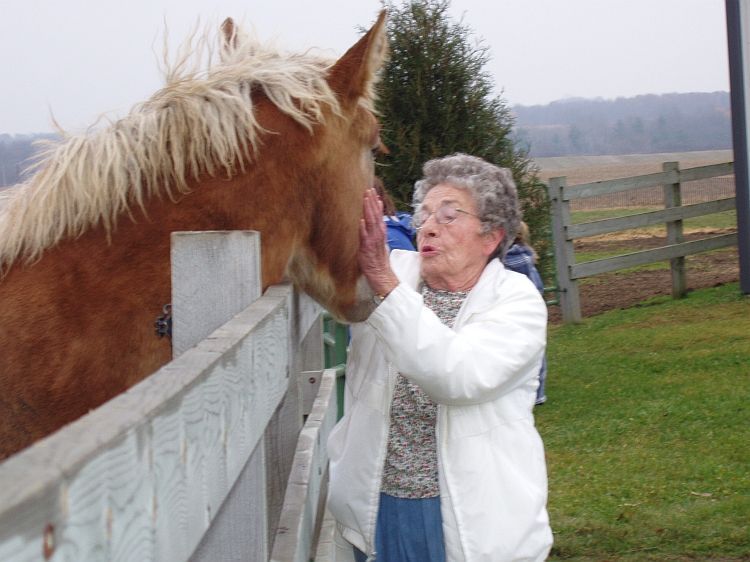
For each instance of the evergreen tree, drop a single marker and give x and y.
(436, 99)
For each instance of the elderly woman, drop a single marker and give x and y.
(436, 457)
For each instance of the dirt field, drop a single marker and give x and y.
(583, 169)
(622, 290)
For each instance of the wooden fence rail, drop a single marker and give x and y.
(302, 514)
(671, 179)
(193, 462)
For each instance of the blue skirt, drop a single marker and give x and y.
(407, 530)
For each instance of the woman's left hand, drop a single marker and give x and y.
(373, 252)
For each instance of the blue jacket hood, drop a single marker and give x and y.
(400, 231)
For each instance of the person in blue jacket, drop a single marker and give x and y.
(399, 230)
(522, 258)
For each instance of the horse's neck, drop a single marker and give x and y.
(138, 252)
(77, 326)
(275, 208)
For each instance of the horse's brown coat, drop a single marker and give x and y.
(77, 325)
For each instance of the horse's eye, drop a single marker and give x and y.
(380, 148)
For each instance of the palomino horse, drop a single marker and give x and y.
(259, 140)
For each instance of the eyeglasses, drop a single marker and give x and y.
(445, 214)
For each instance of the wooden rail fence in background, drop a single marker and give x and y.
(205, 460)
(564, 232)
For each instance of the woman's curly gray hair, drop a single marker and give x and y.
(492, 188)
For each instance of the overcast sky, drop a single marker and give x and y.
(77, 59)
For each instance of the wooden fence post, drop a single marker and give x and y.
(222, 268)
(306, 353)
(304, 501)
(673, 198)
(570, 301)
(216, 274)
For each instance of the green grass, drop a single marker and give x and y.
(647, 431)
(600, 214)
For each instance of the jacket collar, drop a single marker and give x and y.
(406, 267)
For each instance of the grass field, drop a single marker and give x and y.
(647, 430)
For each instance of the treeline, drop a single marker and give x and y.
(637, 125)
(642, 124)
(16, 152)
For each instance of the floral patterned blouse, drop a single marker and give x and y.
(411, 468)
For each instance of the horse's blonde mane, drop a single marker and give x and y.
(201, 122)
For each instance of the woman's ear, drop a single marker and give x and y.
(491, 240)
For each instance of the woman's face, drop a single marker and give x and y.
(453, 255)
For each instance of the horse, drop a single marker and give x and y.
(257, 140)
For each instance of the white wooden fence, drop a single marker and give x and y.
(206, 459)
(564, 232)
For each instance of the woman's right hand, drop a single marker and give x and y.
(373, 251)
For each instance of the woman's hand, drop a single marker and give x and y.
(373, 252)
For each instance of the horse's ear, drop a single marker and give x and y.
(229, 35)
(354, 74)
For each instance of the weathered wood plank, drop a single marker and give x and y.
(239, 533)
(595, 267)
(202, 299)
(606, 187)
(281, 440)
(312, 361)
(706, 172)
(640, 220)
(309, 383)
(284, 429)
(304, 311)
(297, 524)
(326, 549)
